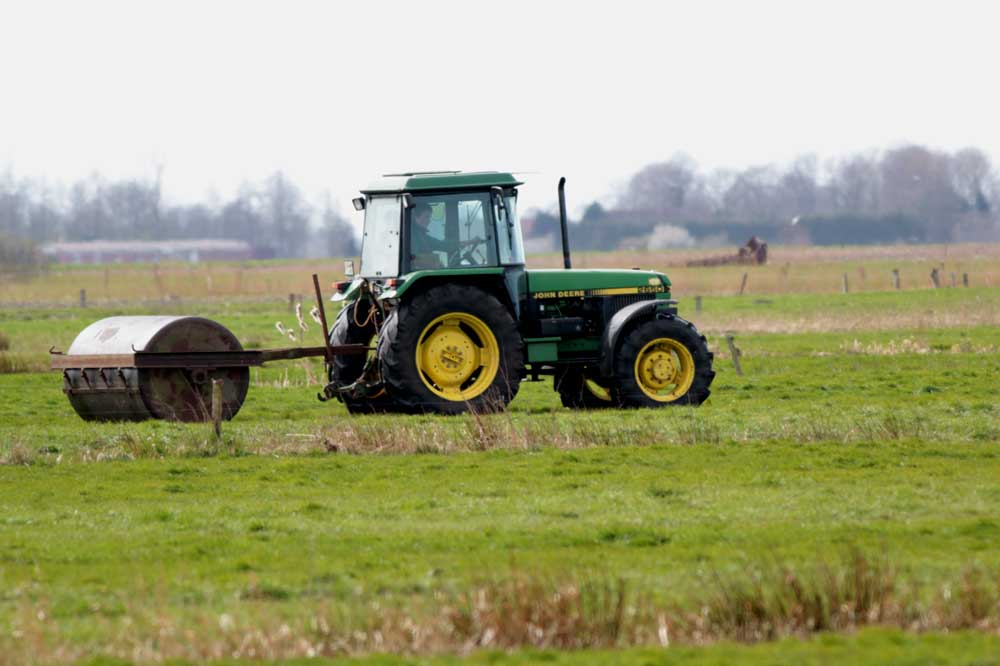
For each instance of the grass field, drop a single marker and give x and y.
(837, 503)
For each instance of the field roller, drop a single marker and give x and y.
(162, 367)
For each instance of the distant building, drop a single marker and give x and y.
(120, 252)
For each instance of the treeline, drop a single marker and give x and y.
(908, 194)
(272, 216)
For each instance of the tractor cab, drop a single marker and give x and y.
(439, 220)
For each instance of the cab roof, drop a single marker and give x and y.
(440, 180)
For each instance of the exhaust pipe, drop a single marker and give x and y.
(562, 222)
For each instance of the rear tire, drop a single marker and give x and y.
(450, 349)
(663, 362)
(346, 369)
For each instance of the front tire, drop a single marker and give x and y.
(451, 349)
(661, 363)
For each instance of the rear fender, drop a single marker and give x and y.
(490, 280)
(407, 282)
(624, 320)
(350, 293)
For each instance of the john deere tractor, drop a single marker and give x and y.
(456, 321)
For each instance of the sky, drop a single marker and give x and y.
(336, 93)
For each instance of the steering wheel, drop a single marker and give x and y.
(466, 252)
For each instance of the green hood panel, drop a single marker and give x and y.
(547, 281)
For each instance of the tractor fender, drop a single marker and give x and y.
(350, 293)
(438, 275)
(623, 320)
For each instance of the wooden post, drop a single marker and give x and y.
(895, 278)
(965, 279)
(735, 352)
(936, 278)
(217, 407)
(159, 281)
(846, 288)
(954, 281)
(83, 298)
(291, 302)
(743, 284)
(697, 303)
(322, 319)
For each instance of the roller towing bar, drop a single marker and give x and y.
(191, 360)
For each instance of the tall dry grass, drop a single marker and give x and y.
(468, 433)
(760, 603)
(790, 269)
(962, 314)
(779, 255)
(806, 269)
(171, 282)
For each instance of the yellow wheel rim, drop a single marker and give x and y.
(458, 356)
(664, 369)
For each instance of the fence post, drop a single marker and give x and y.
(217, 407)
(697, 303)
(954, 281)
(936, 278)
(291, 302)
(743, 284)
(735, 352)
(846, 289)
(83, 298)
(895, 278)
(965, 279)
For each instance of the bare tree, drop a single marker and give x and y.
(971, 172)
(661, 188)
(340, 240)
(854, 186)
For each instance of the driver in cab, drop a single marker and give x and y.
(424, 246)
(428, 251)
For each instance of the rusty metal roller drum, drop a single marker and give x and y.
(130, 393)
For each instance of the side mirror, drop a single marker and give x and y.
(349, 266)
(359, 203)
(407, 200)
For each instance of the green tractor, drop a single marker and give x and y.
(456, 321)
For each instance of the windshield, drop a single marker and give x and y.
(509, 232)
(380, 242)
(450, 231)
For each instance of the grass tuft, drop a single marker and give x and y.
(16, 452)
(523, 611)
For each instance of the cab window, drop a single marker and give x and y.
(450, 231)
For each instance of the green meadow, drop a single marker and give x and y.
(858, 454)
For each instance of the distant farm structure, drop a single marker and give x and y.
(754, 252)
(120, 252)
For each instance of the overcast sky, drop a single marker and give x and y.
(335, 93)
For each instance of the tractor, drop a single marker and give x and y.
(455, 322)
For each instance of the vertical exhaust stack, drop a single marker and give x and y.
(562, 223)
